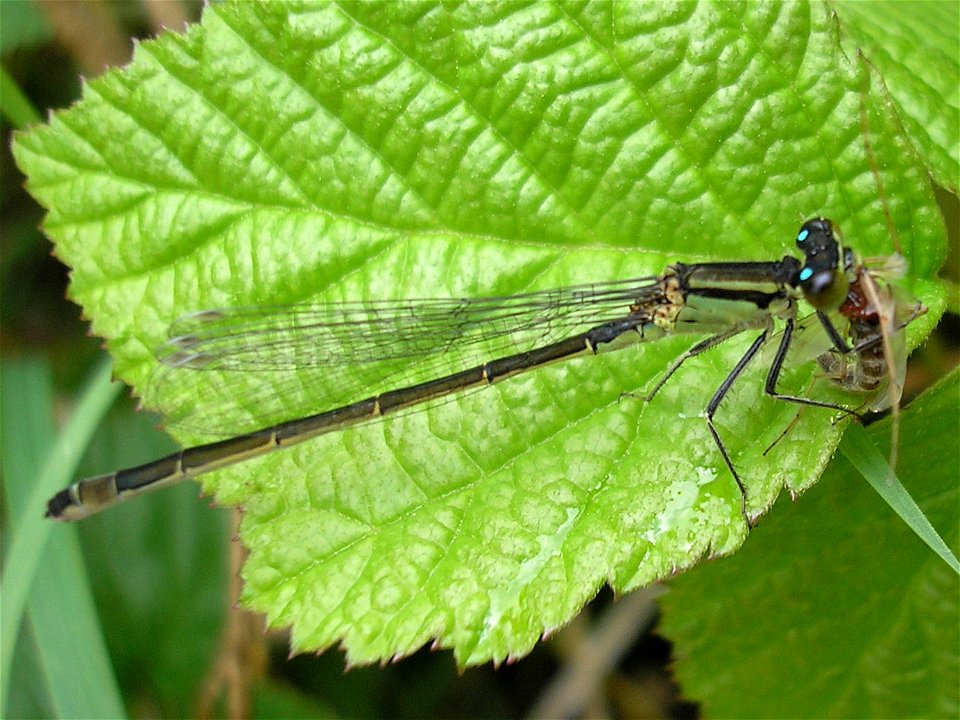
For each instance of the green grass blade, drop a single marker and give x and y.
(15, 106)
(863, 454)
(55, 591)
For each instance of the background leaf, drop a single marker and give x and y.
(288, 152)
(917, 50)
(867, 614)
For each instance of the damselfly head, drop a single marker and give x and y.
(822, 280)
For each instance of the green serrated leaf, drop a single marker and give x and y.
(916, 48)
(864, 616)
(329, 151)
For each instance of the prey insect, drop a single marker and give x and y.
(877, 313)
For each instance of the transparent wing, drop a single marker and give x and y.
(810, 341)
(298, 336)
(896, 311)
(232, 370)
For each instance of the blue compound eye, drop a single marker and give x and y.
(806, 273)
(804, 234)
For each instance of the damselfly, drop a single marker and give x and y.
(719, 300)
